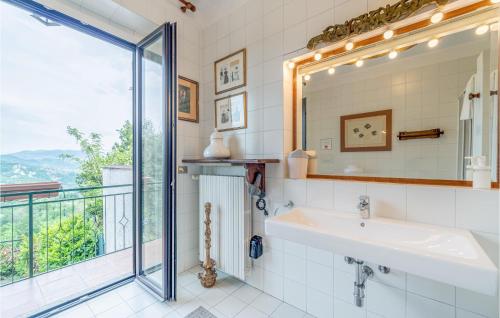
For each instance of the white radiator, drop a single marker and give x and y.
(230, 222)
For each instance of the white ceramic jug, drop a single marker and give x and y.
(216, 149)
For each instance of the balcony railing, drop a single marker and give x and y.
(41, 233)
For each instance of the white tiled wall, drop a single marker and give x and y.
(320, 282)
(188, 44)
(315, 280)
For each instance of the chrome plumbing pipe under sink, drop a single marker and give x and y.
(363, 272)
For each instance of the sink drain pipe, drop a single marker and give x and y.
(363, 272)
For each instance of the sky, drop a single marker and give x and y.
(54, 77)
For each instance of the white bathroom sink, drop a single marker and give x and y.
(443, 254)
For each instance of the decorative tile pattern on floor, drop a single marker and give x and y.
(229, 298)
(200, 312)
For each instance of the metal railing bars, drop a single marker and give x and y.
(7, 194)
(51, 233)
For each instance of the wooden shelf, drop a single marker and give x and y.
(253, 167)
(231, 161)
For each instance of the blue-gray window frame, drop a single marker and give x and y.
(71, 22)
(169, 233)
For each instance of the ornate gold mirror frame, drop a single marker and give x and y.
(366, 23)
(372, 20)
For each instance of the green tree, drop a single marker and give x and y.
(90, 171)
(96, 158)
(152, 175)
(69, 241)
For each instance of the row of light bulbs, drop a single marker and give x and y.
(388, 34)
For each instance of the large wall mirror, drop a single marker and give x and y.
(413, 107)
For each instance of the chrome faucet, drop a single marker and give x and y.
(364, 206)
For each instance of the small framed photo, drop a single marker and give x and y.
(231, 112)
(366, 131)
(188, 100)
(230, 72)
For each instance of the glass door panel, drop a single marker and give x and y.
(152, 161)
(156, 157)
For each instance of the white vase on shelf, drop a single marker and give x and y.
(216, 148)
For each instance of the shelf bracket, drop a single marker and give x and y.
(252, 171)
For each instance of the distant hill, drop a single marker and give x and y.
(38, 166)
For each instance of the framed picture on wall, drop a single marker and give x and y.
(231, 112)
(366, 131)
(188, 100)
(230, 72)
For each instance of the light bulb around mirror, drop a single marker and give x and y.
(291, 65)
(349, 46)
(360, 63)
(433, 43)
(437, 17)
(388, 34)
(393, 54)
(307, 77)
(482, 29)
(317, 56)
(331, 70)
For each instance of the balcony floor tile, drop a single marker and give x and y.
(45, 290)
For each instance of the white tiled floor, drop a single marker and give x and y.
(229, 298)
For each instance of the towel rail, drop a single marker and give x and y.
(431, 133)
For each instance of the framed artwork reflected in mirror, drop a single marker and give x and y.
(366, 131)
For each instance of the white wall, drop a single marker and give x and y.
(305, 277)
(118, 208)
(105, 15)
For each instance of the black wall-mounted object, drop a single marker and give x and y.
(256, 248)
